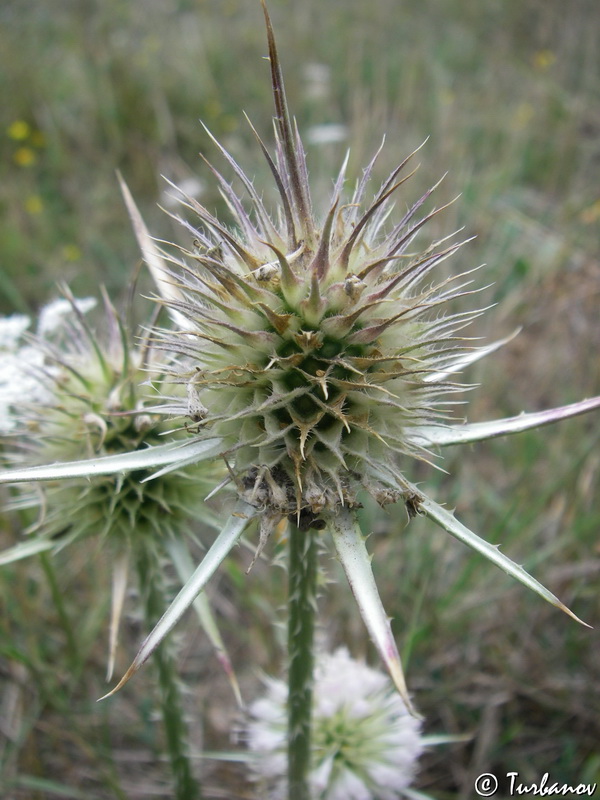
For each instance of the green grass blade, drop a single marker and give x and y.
(48, 787)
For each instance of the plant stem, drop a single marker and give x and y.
(301, 624)
(151, 589)
(57, 597)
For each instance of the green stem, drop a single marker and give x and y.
(301, 624)
(186, 786)
(57, 598)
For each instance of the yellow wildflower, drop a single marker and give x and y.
(71, 252)
(34, 204)
(543, 60)
(18, 130)
(24, 157)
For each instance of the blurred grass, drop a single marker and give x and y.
(508, 93)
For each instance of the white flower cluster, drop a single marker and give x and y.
(53, 316)
(365, 742)
(21, 362)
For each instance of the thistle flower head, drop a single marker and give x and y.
(365, 741)
(87, 390)
(316, 359)
(315, 351)
(89, 398)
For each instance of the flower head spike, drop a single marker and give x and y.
(365, 741)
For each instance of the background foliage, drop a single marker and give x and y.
(507, 91)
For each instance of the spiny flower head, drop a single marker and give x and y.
(87, 391)
(93, 388)
(365, 741)
(314, 353)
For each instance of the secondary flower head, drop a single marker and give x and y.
(21, 360)
(88, 399)
(76, 391)
(365, 741)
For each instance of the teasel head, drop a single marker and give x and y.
(95, 385)
(313, 351)
(89, 387)
(318, 357)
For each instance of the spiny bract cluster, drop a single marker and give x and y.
(315, 353)
(88, 397)
(313, 360)
(94, 390)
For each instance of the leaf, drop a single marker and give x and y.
(353, 555)
(184, 565)
(174, 452)
(479, 431)
(447, 521)
(24, 550)
(414, 794)
(120, 572)
(163, 279)
(220, 548)
(49, 787)
(435, 739)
